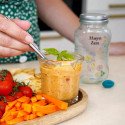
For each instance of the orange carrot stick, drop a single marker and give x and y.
(3, 123)
(24, 99)
(32, 116)
(18, 104)
(21, 113)
(39, 103)
(44, 109)
(6, 114)
(11, 104)
(57, 102)
(33, 99)
(26, 107)
(40, 114)
(26, 117)
(14, 113)
(14, 121)
(39, 97)
(9, 118)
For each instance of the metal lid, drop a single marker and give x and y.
(93, 18)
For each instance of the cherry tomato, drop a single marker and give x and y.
(18, 95)
(7, 75)
(27, 91)
(5, 87)
(2, 106)
(1, 114)
(8, 98)
(5, 82)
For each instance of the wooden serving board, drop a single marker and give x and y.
(60, 116)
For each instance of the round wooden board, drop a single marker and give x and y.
(61, 116)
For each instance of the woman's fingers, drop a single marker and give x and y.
(11, 29)
(7, 52)
(9, 42)
(25, 25)
(14, 40)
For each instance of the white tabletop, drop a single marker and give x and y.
(105, 106)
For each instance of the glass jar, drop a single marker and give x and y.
(60, 79)
(92, 40)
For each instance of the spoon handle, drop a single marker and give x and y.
(37, 51)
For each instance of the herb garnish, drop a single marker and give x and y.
(60, 55)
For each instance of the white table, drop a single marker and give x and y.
(105, 106)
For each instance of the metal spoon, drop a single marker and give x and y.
(33, 46)
(38, 51)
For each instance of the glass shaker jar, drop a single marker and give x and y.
(92, 40)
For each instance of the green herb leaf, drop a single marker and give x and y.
(52, 51)
(68, 56)
(59, 57)
(63, 52)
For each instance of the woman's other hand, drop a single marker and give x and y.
(117, 49)
(14, 39)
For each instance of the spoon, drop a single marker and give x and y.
(33, 46)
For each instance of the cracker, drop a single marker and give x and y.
(13, 70)
(38, 75)
(22, 76)
(34, 83)
(25, 70)
(28, 76)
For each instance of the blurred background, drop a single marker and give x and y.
(115, 9)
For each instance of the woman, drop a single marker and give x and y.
(14, 39)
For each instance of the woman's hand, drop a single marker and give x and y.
(117, 49)
(14, 39)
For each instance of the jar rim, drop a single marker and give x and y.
(78, 57)
(93, 18)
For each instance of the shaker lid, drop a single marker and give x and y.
(93, 18)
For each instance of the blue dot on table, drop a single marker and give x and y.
(108, 83)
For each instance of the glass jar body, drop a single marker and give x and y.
(92, 41)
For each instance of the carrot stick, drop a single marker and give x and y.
(14, 113)
(9, 118)
(18, 104)
(39, 97)
(3, 123)
(16, 120)
(24, 99)
(21, 113)
(39, 103)
(44, 109)
(57, 102)
(26, 117)
(33, 99)
(6, 114)
(11, 104)
(27, 107)
(32, 116)
(40, 114)
(8, 108)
